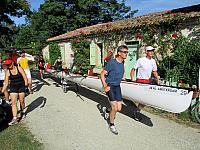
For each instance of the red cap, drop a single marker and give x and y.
(8, 62)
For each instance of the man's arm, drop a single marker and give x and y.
(103, 80)
(55, 62)
(18, 59)
(132, 74)
(155, 73)
(6, 81)
(29, 57)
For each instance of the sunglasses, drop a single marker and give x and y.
(125, 52)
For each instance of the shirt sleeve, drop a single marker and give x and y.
(29, 57)
(137, 64)
(154, 65)
(108, 66)
(18, 60)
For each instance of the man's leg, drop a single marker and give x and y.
(30, 85)
(113, 111)
(140, 106)
(136, 113)
(106, 110)
(28, 76)
(41, 73)
(112, 117)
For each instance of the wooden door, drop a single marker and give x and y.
(130, 60)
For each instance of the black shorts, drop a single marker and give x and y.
(17, 89)
(1, 83)
(41, 68)
(115, 93)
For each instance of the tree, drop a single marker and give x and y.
(24, 36)
(90, 12)
(82, 55)
(50, 20)
(184, 63)
(54, 52)
(10, 8)
(56, 17)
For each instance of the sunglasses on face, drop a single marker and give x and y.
(8, 66)
(125, 52)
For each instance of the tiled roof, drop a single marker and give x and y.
(135, 22)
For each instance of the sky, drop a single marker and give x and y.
(144, 6)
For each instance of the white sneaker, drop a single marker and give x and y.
(13, 121)
(105, 114)
(113, 130)
(9, 102)
(23, 116)
(137, 115)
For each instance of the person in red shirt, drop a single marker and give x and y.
(108, 57)
(14, 57)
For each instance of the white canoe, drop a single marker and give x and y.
(170, 99)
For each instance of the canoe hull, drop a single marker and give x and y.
(170, 99)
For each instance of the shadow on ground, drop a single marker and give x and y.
(102, 100)
(5, 116)
(37, 85)
(40, 101)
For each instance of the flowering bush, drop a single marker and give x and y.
(184, 62)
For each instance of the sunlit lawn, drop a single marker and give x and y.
(18, 137)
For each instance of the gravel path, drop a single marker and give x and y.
(67, 121)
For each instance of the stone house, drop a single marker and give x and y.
(65, 49)
(135, 32)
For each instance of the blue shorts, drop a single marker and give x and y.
(115, 93)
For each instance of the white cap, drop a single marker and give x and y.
(149, 48)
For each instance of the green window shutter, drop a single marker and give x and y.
(92, 53)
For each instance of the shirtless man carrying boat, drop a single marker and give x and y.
(145, 66)
(115, 72)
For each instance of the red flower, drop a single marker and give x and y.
(110, 52)
(174, 35)
(78, 41)
(182, 84)
(180, 81)
(138, 36)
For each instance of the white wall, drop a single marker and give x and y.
(45, 52)
(67, 52)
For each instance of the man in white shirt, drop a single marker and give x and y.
(145, 66)
(2, 78)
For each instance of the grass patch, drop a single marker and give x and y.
(183, 118)
(18, 137)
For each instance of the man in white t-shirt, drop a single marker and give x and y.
(145, 66)
(2, 78)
